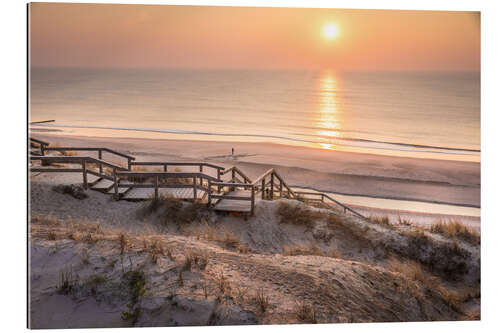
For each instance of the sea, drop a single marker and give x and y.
(424, 114)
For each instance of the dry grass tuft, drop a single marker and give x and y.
(413, 270)
(45, 220)
(192, 259)
(404, 222)
(305, 313)
(173, 210)
(222, 283)
(155, 250)
(124, 242)
(448, 259)
(297, 214)
(456, 229)
(312, 250)
(381, 220)
(230, 240)
(262, 300)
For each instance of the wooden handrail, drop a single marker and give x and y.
(76, 159)
(179, 164)
(239, 172)
(264, 175)
(231, 184)
(292, 192)
(147, 174)
(91, 149)
(40, 142)
(344, 206)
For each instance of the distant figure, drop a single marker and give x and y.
(232, 151)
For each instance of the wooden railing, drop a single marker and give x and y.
(161, 180)
(81, 160)
(268, 184)
(237, 172)
(41, 143)
(99, 151)
(222, 193)
(275, 184)
(322, 197)
(165, 165)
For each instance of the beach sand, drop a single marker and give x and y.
(401, 178)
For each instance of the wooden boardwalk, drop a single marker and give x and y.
(148, 193)
(225, 205)
(238, 194)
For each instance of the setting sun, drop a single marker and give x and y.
(330, 31)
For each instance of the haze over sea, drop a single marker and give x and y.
(417, 114)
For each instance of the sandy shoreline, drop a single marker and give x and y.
(427, 180)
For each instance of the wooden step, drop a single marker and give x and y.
(148, 193)
(103, 185)
(121, 190)
(244, 206)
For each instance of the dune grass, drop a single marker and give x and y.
(456, 229)
(297, 214)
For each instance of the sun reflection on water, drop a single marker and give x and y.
(327, 121)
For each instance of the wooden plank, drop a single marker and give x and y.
(233, 206)
(230, 197)
(104, 184)
(55, 170)
(240, 202)
(232, 184)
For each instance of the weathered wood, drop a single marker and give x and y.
(40, 142)
(272, 186)
(194, 188)
(232, 184)
(209, 193)
(263, 188)
(252, 201)
(84, 173)
(91, 149)
(115, 184)
(99, 156)
(56, 170)
(156, 188)
(230, 197)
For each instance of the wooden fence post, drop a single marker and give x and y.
(84, 171)
(128, 164)
(165, 167)
(218, 175)
(252, 202)
(272, 186)
(194, 188)
(209, 193)
(201, 168)
(156, 187)
(281, 188)
(115, 180)
(99, 155)
(263, 187)
(42, 149)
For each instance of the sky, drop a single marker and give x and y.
(166, 36)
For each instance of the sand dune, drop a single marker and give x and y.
(222, 269)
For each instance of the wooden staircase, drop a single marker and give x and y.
(237, 194)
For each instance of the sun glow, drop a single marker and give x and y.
(330, 31)
(328, 120)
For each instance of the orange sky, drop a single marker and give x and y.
(98, 35)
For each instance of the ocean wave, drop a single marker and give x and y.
(346, 142)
